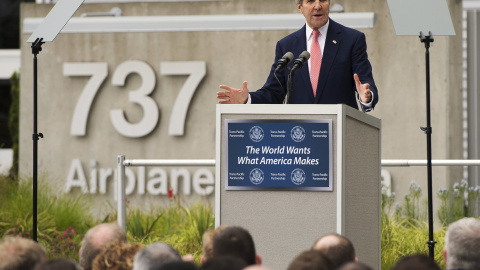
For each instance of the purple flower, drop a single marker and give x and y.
(21, 235)
(55, 232)
(14, 229)
(61, 245)
(9, 231)
(73, 231)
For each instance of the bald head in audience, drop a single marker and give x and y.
(337, 248)
(96, 239)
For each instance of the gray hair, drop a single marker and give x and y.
(155, 255)
(96, 239)
(462, 243)
(20, 253)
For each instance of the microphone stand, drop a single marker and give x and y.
(289, 87)
(428, 131)
(36, 48)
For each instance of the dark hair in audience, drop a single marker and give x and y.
(177, 265)
(224, 263)
(58, 264)
(208, 238)
(354, 266)
(416, 262)
(311, 260)
(235, 241)
(339, 253)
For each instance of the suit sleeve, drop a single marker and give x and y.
(362, 67)
(273, 91)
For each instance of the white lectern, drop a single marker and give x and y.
(285, 222)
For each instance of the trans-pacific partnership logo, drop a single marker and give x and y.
(256, 134)
(256, 176)
(298, 176)
(297, 133)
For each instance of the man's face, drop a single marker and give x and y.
(315, 12)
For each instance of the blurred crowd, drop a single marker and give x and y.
(105, 246)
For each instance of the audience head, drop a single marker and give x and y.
(416, 262)
(117, 255)
(462, 244)
(177, 265)
(354, 266)
(236, 241)
(208, 238)
(18, 253)
(96, 239)
(224, 263)
(155, 255)
(337, 248)
(311, 260)
(58, 264)
(256, 267)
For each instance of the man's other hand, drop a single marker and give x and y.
(363, 90)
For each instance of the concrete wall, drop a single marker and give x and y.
(231, 57)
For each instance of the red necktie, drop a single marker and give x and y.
(315, 61)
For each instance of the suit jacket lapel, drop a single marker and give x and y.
(332, 43)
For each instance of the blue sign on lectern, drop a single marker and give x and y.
(271, 154)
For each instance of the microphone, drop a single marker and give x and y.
(282, 63)
(300, 61)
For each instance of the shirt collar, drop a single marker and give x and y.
(323, 30)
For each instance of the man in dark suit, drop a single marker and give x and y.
(340, 71)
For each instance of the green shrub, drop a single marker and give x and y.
(61, 219)
(458, 201)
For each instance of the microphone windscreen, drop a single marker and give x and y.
(304, 54)
(288, 56)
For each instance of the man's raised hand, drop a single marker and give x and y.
(233, 95)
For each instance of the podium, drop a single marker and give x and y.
(285, 221)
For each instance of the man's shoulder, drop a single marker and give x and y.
(338, 27)
(297, 34)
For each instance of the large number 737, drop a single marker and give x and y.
(98, 72)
